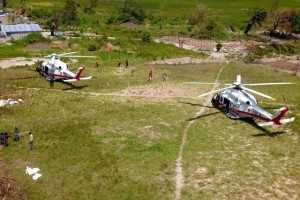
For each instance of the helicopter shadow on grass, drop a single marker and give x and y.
(195, 104)
(200, 105)
(201, 116)
(265, 132)
(22, 78)
(68, 84)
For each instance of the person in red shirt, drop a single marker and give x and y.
(6, 139)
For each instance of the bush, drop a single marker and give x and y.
(146, 37)
(30, 39)
(39, 14)
(92, 47)
(197, 16)
(112, 20)
(129, 11)
(209, 29)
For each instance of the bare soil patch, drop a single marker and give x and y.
(286, 64)
(188, 60)
(18, 61)
(130, 25)
(39, 46)
(230, 51)
(22, 61)
(164, 91)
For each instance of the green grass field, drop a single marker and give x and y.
(231, 10)
(118, 136)
(91, 146)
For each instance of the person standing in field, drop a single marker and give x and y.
(126, 63)
(119, 62)
(164, 77)
(6, 139)
(150, 76)
(97, 62)
(30, 141)
(16, 133)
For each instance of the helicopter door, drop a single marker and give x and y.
(46, 70)
(226, 105)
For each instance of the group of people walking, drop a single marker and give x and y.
(150, 75)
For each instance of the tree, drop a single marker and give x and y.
(69, 16)
(4, 3)
(131, 10)
(288, 20)
(258, 16)
(90, 5)
(282, 19)
(197, 15)
(295, 21)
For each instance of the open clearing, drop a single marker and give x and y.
(119, 137)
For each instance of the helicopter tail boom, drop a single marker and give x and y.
(78, 79)
(77, 76)
(276, 118)
(79, 71)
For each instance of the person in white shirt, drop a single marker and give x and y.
(30, 141)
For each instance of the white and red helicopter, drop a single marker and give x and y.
(237, 103)
(55, 69)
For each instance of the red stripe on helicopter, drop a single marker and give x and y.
(62, 76)
(249, 114)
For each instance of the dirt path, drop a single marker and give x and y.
(18, 61)
(150, 92)
(179, 171)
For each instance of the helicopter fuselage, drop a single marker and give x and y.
(239, 104)
(55, 69)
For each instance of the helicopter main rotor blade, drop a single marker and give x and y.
(202, 95)
(202, 83)
(258, 93)
(63, 54)
(238, 79)
(79, 56)
(259, 84)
